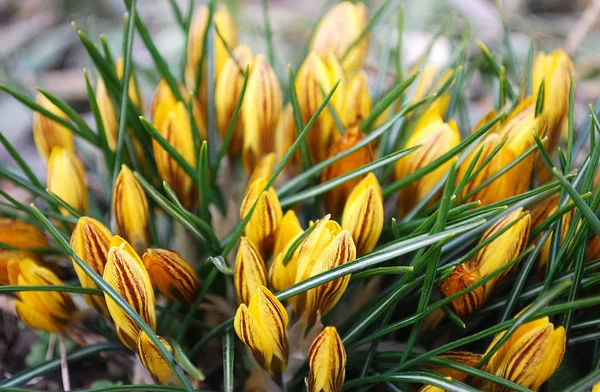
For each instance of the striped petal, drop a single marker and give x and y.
(327, 362)
(250, 272)
(172, 275)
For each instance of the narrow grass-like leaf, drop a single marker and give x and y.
(20, 162)
(228, 353)
(585, 209)
(304, 151)
(496, 67)
(268, 34)
(297, 242)
(59, 289)
(539, 101)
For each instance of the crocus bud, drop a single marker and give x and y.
(464, 358)
(593, 252)
(153, 360)
(107, 113)
(66, 179)
(90, 242)
(363, 214)
(264, 169)
(284, 138)
(493, 256)
(283, 276)
(250, 272)
(436, 138)
(429, 83)
(7, 256)
(171, 275)
(529, 357)
(125, 272)
(555, 69)
(357, 101)
(48, 311)
(227, 94)
(267, 214)
(130, 207)
(21, 235)
(171, 119)
(338, 30)
(326, 247)
(224, 22)
(164, 103)
(47, 133)
(326, 362)
(132, 89)
(261, 109)
(315, 79)
(261, 326)
(335, 198)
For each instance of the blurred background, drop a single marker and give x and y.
(38, 47)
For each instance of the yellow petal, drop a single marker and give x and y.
(130, 207)
(126, 273)
(47, 133)
(21, 235)
(357, 102)
(249, 273)
(66, 179)
(107, 113)
(172, 275)
(363, 214)
(153, 360)
(327, 362)
(36, 318)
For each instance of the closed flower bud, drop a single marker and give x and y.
(493, 256)
(436, 138)
(227, 93)
(283, 276)
(261, 326)
(47, 133)
(264, 169)
(21, 235)
(224, 22)
(171, 275)
(261, 109)
(267, 214)
(529, 357)
(363, 214)
(48, 311)
(172, 121)
(132, 89)
(90, 242)
(335, 198)
(357, 102)
(7, 256)
(130, 207)
(464, 358)
(326, 247)
(66, 179)
(125, 272)
(426, 86)
(284, 138)
(326, 362)
(555, 69)
(593, 252)
(107, 113)
(154, 361)
(338, 30)
(250, 272)
(315, 79)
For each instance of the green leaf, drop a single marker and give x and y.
(228, 357)
(539, 102)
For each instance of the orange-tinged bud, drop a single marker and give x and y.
(593, 252)
(90, 242)
(493, 256)
(154, 361)
(172, 120)
(463, 357)
(261, 326)
(66, 179)
(261, 109)
(227, 94)
(436, 139)
(555, 69)
(529, 357)
(125, 272)
(335, 198)
(326, 362)
(172, 275)
(130, 207)
(357, 102)
(315, 79)
(267, 214)
(224, 22)
(48, 311)
(21, 235)
(326, 247)
(338, 30)
(363, 214)
(250, 272)
(47, 133)
(283, 276)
